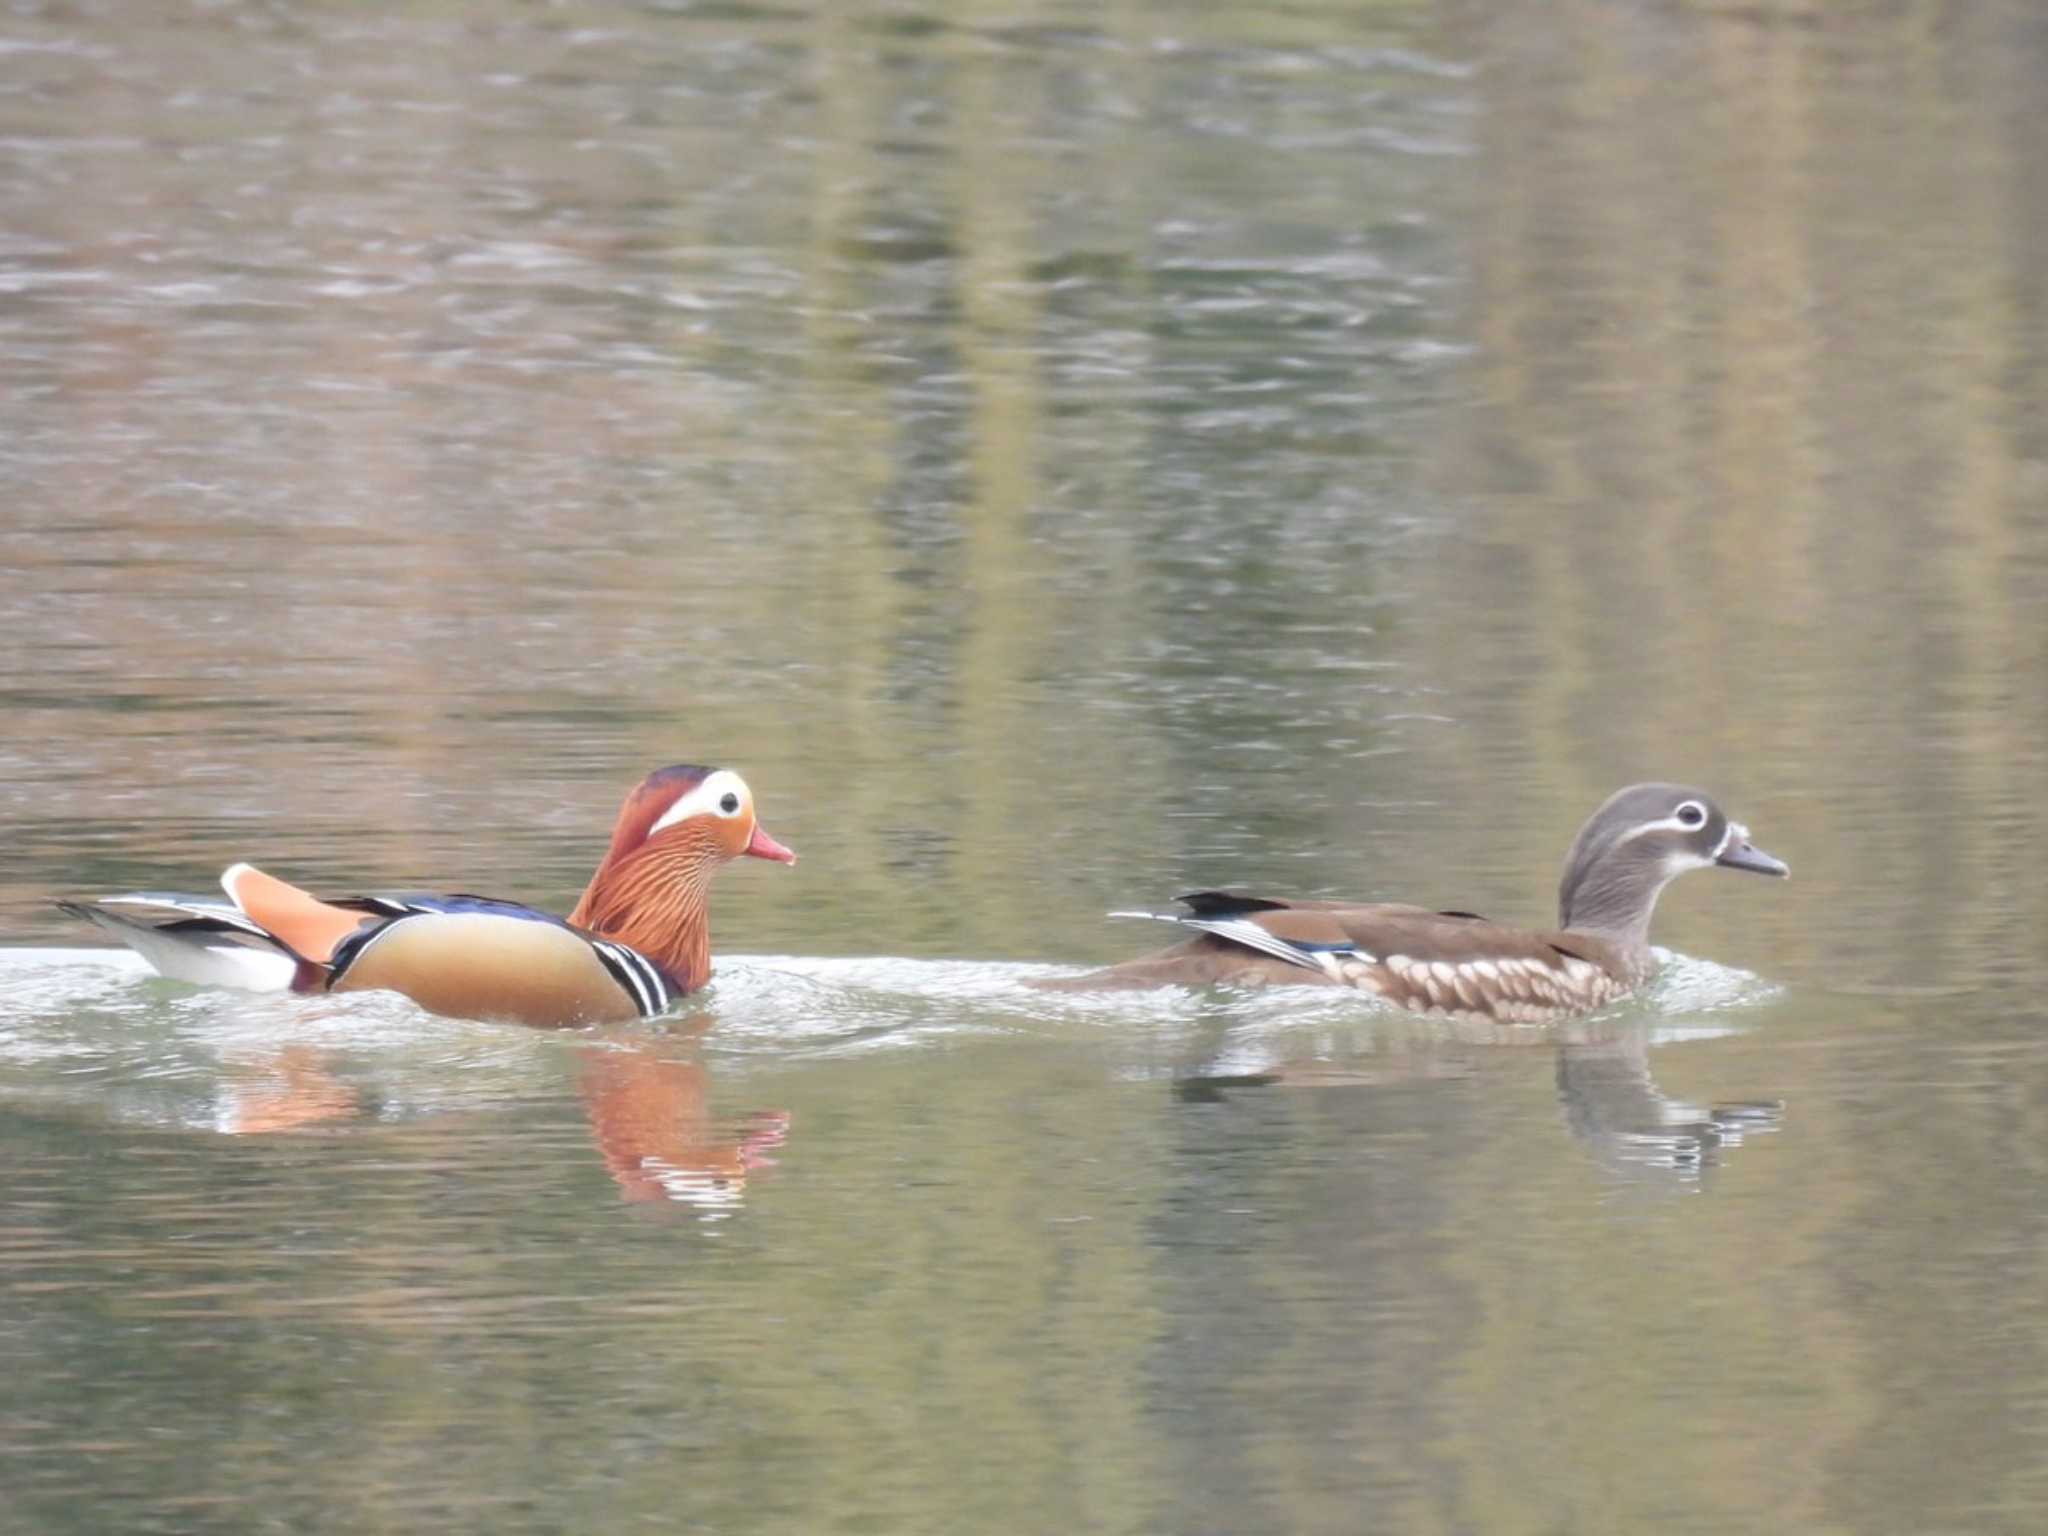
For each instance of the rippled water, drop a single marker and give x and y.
(1063, 458)
(886, 1224)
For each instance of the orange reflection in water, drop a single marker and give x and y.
(648, 1110)
(282, 1092)
(648, 1115)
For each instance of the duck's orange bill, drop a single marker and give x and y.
(765, 847)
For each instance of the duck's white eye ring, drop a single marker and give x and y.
(1691, 814)
(722, 794)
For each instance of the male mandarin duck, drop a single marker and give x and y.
(1458, 964)
(638, 940)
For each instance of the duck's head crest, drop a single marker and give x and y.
(689, 805)
(1644, 837)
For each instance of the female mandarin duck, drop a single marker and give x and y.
(1455, 963)
(638, 940)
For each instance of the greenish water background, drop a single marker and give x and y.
(1063, 456)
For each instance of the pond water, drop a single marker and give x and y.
(1063, 457)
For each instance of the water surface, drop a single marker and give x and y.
(1062, 457)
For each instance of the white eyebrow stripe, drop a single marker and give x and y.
(704, 797)
(1668, 824)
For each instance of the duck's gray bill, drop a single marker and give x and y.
(1746, 855)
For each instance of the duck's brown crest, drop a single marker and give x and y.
(648, 801)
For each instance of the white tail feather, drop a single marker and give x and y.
(206, 959)
(1239, 930)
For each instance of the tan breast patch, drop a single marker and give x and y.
(476, 965)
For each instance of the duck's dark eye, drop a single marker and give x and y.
(730, 804)
(1692, 814)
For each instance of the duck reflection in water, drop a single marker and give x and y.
(282, 1090)
(1615, 1109)
(647, 1101)
(648, 1114)
(1612, 1105)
